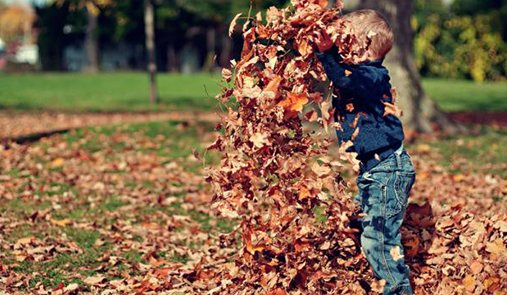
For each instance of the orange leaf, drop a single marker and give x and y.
(58, 162)
(294, 102)
(391, 109)
(355, 134)
(323, 3)
(273, 86)
(350, 107)
(469, 283)
(347, 73)
(63, 222)
(278, 291)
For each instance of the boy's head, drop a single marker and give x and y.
(369, 21)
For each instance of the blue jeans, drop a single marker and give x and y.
(383, 195)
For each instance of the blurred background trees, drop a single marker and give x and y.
(464, 39)
(453, 39)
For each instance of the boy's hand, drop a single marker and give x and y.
(323, 41)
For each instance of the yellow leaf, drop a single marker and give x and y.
(58, 162)
(469, 283)
(497, 248)
(24, 241)
(303, 193)
(63, 222)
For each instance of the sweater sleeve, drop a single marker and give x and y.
(356, 78)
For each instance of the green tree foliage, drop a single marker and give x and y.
(464, 40)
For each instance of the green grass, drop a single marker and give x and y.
(107, 92)
(172, 141)
(460, 95)
(129, 92)
(480, 150)
(175, 142)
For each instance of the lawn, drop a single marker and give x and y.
(105, 203)
(107, 92)
(459, 95)
(121, 207)
(129, 92)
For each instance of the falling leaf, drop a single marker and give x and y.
(391, 109)
(226, 74)
(273, 87)
(355, 134)
(394, 94)
(259, 139)
(350, 107)
(233, 24)
(320, 170)
(294, 102)
(347, 73)
(323, 3)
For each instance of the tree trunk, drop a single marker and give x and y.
(171, 58)
(91, 43)
(420, 113)
(149, 16)
(210, 48)
(226, 52)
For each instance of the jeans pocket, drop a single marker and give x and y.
(403, 182)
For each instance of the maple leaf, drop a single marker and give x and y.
(259, 139)
(294, 102)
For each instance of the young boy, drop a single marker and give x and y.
(386, 170)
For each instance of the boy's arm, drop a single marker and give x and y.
(348, 77)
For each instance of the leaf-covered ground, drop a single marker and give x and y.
(120, 208)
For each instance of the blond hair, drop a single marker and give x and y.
(367, 22)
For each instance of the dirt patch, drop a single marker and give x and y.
(14, 125)
(480, 118)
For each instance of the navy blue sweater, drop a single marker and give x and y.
(362, 89)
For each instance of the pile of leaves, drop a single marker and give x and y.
(280, 183)
(277, 179)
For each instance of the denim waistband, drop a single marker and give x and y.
(370, 161)
(399, 151)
